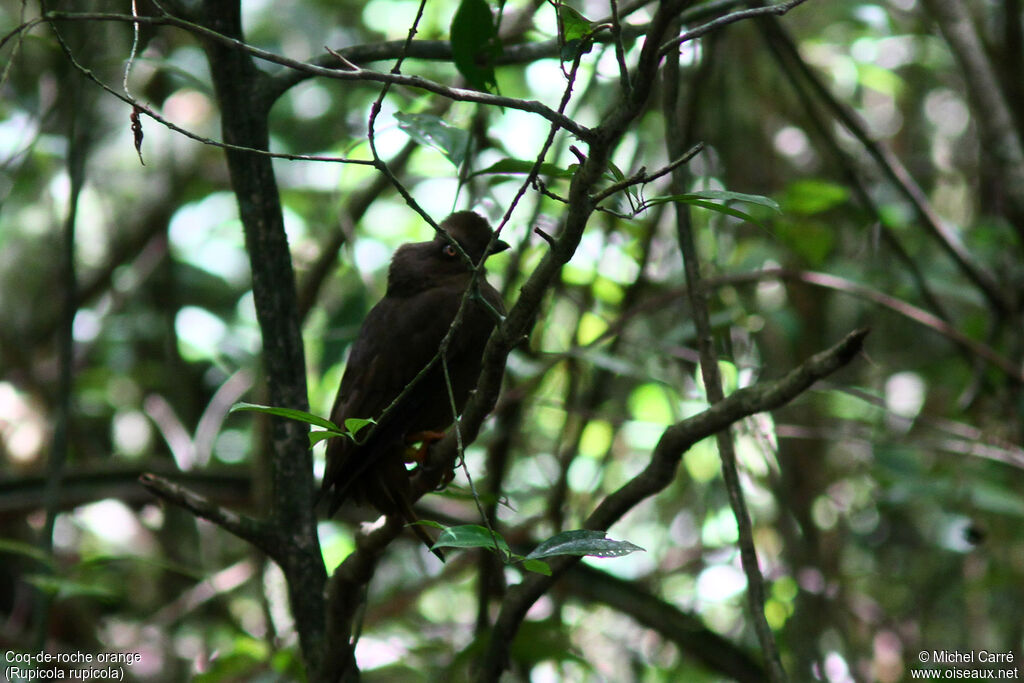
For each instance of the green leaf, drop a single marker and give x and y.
(582, 542)
(538, 566)
(519, 166)
(811, 196)
(727, 210)
(727, 196)
(572, 48)
(9, 545)
(430, 523)
(572, 25)
(61, 587)
(317, 436)
(471, 536)
(433, 131)
(695, 199)
(354, 424)
(289, 413)
(475, 43)
(574, 31)
(701, 198)
(615, 173)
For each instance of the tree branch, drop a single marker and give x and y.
(360, 74)
(660, 472)
(688, 632)
(238, 86)
(255, 531)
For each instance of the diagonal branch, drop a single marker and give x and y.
(687, 631)
(255, 531)
(660, 472)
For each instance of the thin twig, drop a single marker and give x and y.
(134, 49)
(731, 18)
(458, 94)
(620, 51)
(711, 374)
(17, 45)
(642, 177)
(139, 107)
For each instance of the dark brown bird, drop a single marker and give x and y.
(400, 336)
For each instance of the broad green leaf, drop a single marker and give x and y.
(574, 31)
(289, 413)
(571, 24)
(475, 43)
(354, 424)
(433, 131)
(582, 542)
(572, 48)
(317, 436)
(471, 536)
(538, 566)
(520, 166)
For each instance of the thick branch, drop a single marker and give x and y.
(244, 117)
(347, 593)
(87, 483)
(688, 632)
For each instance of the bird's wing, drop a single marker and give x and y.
(398, 339)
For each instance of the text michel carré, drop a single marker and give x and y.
(980, 657)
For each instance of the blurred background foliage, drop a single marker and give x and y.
(887, 503)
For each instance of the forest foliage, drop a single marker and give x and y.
(829, 167)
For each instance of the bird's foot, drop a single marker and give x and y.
(425, 439)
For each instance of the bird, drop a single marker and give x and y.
(399, 338)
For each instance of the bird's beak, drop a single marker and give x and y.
(498, 247)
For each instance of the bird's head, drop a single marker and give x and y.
(419, 265)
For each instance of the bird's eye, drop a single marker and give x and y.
(449, 250)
